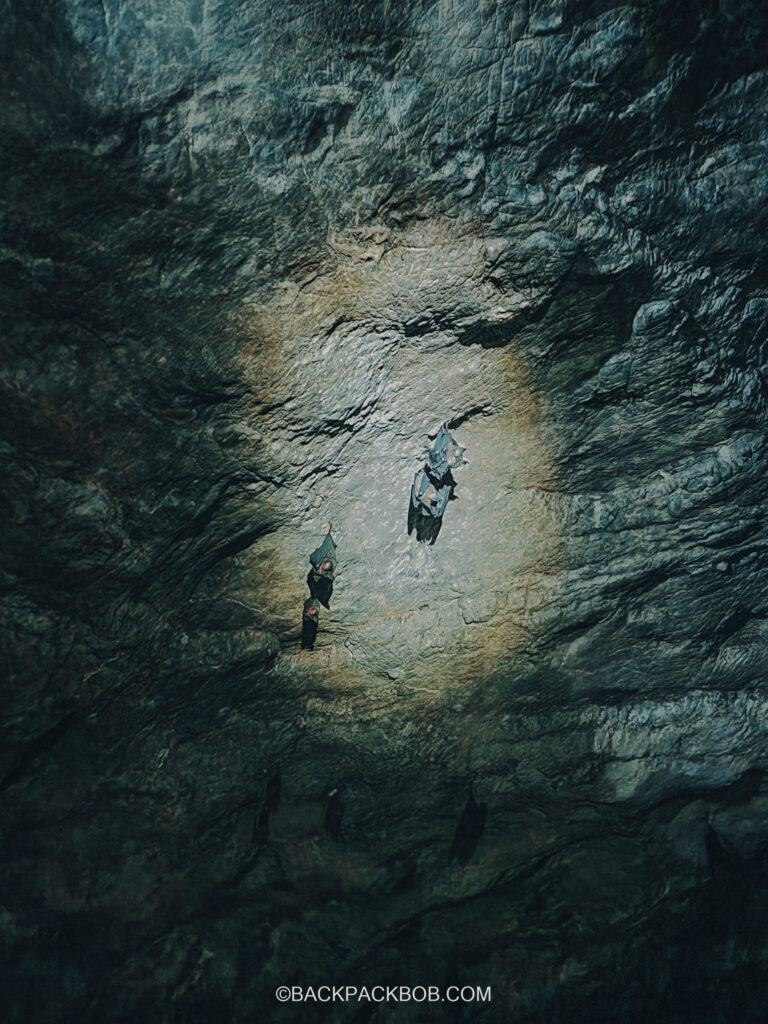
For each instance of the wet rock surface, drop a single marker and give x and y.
(252, 256)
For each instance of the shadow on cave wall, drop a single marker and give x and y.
(688, 962)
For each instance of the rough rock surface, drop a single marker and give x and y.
(252, 255)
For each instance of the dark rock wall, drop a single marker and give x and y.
(252, 254)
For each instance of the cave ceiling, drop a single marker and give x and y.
(254, 255)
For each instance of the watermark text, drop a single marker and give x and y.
(383, 994)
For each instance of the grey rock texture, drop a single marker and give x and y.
(252, 255)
